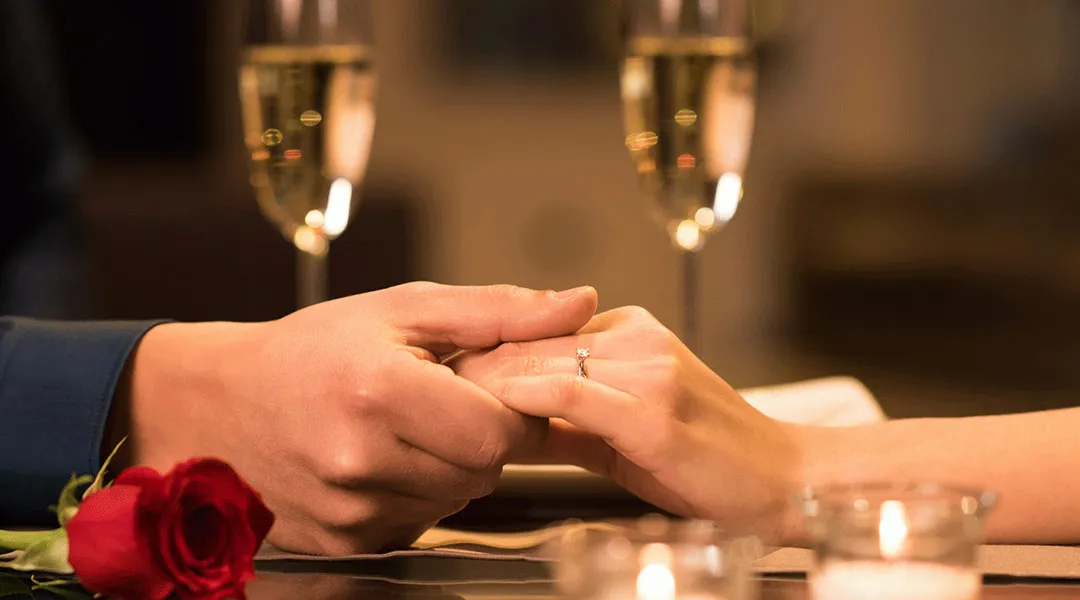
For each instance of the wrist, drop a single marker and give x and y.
(817, 449)
(177, 376)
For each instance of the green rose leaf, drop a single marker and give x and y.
(49, 555)
(69, 502)
(62, 588)
(11, 585)
(99, 481)
(21, 540)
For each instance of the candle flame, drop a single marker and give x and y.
(655, 580)
(892, 528)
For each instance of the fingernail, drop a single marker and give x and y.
(573, 293)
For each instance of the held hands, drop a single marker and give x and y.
(652, 417)
(340, 414)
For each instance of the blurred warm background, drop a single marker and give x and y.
(911, 213)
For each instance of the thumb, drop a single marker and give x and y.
(444, 318)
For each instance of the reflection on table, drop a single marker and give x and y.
(281, 585)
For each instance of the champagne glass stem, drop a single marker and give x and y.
(311, 278)
(691, 326)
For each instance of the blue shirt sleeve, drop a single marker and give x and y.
(57, 381)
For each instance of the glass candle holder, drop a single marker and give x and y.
(903, 541)
(655, 558)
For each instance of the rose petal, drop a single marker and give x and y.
(223, 572)
(202, 533)
(214, 525)
(109, 547)
(142, 477)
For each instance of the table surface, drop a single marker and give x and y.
(277, 585)
(446, 578)
(434, 579)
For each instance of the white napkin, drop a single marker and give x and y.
(831, 401)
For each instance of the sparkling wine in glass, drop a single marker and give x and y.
(307, 92)
(688, 82)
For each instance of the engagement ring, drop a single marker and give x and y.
(582, 354)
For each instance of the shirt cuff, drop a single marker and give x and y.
(57, 381)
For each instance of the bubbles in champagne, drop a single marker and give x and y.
(311, 118)
(271, 137)
(686, 117)
(641, 141)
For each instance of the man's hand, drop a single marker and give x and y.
(341, 414)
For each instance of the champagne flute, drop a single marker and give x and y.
(307, 92)
(688, 84)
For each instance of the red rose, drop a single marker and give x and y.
(192, 532)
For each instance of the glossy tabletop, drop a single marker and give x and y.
(338, 586)
(453, 579)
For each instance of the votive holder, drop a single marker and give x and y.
(655, 558)
(895, 541)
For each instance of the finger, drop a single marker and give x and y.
(443, 318)
(613, 373)
(457, 421)
(599, 336)
(553, 355)
(619, 418)
(411, 472)
(606, 320)
(566, 444)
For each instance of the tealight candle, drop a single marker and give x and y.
(895, 541)
(880, 580)
(655, 558)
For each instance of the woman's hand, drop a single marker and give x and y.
(652, 417)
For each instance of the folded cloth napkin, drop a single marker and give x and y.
(830, 401)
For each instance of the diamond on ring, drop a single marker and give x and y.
(582, 354)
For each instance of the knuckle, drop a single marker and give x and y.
(343, 464)
(492, 451)
(418, 288)
(569, 391)
(506, 290)
(636, 314)
(660, 339)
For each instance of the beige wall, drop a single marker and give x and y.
(530, 184)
